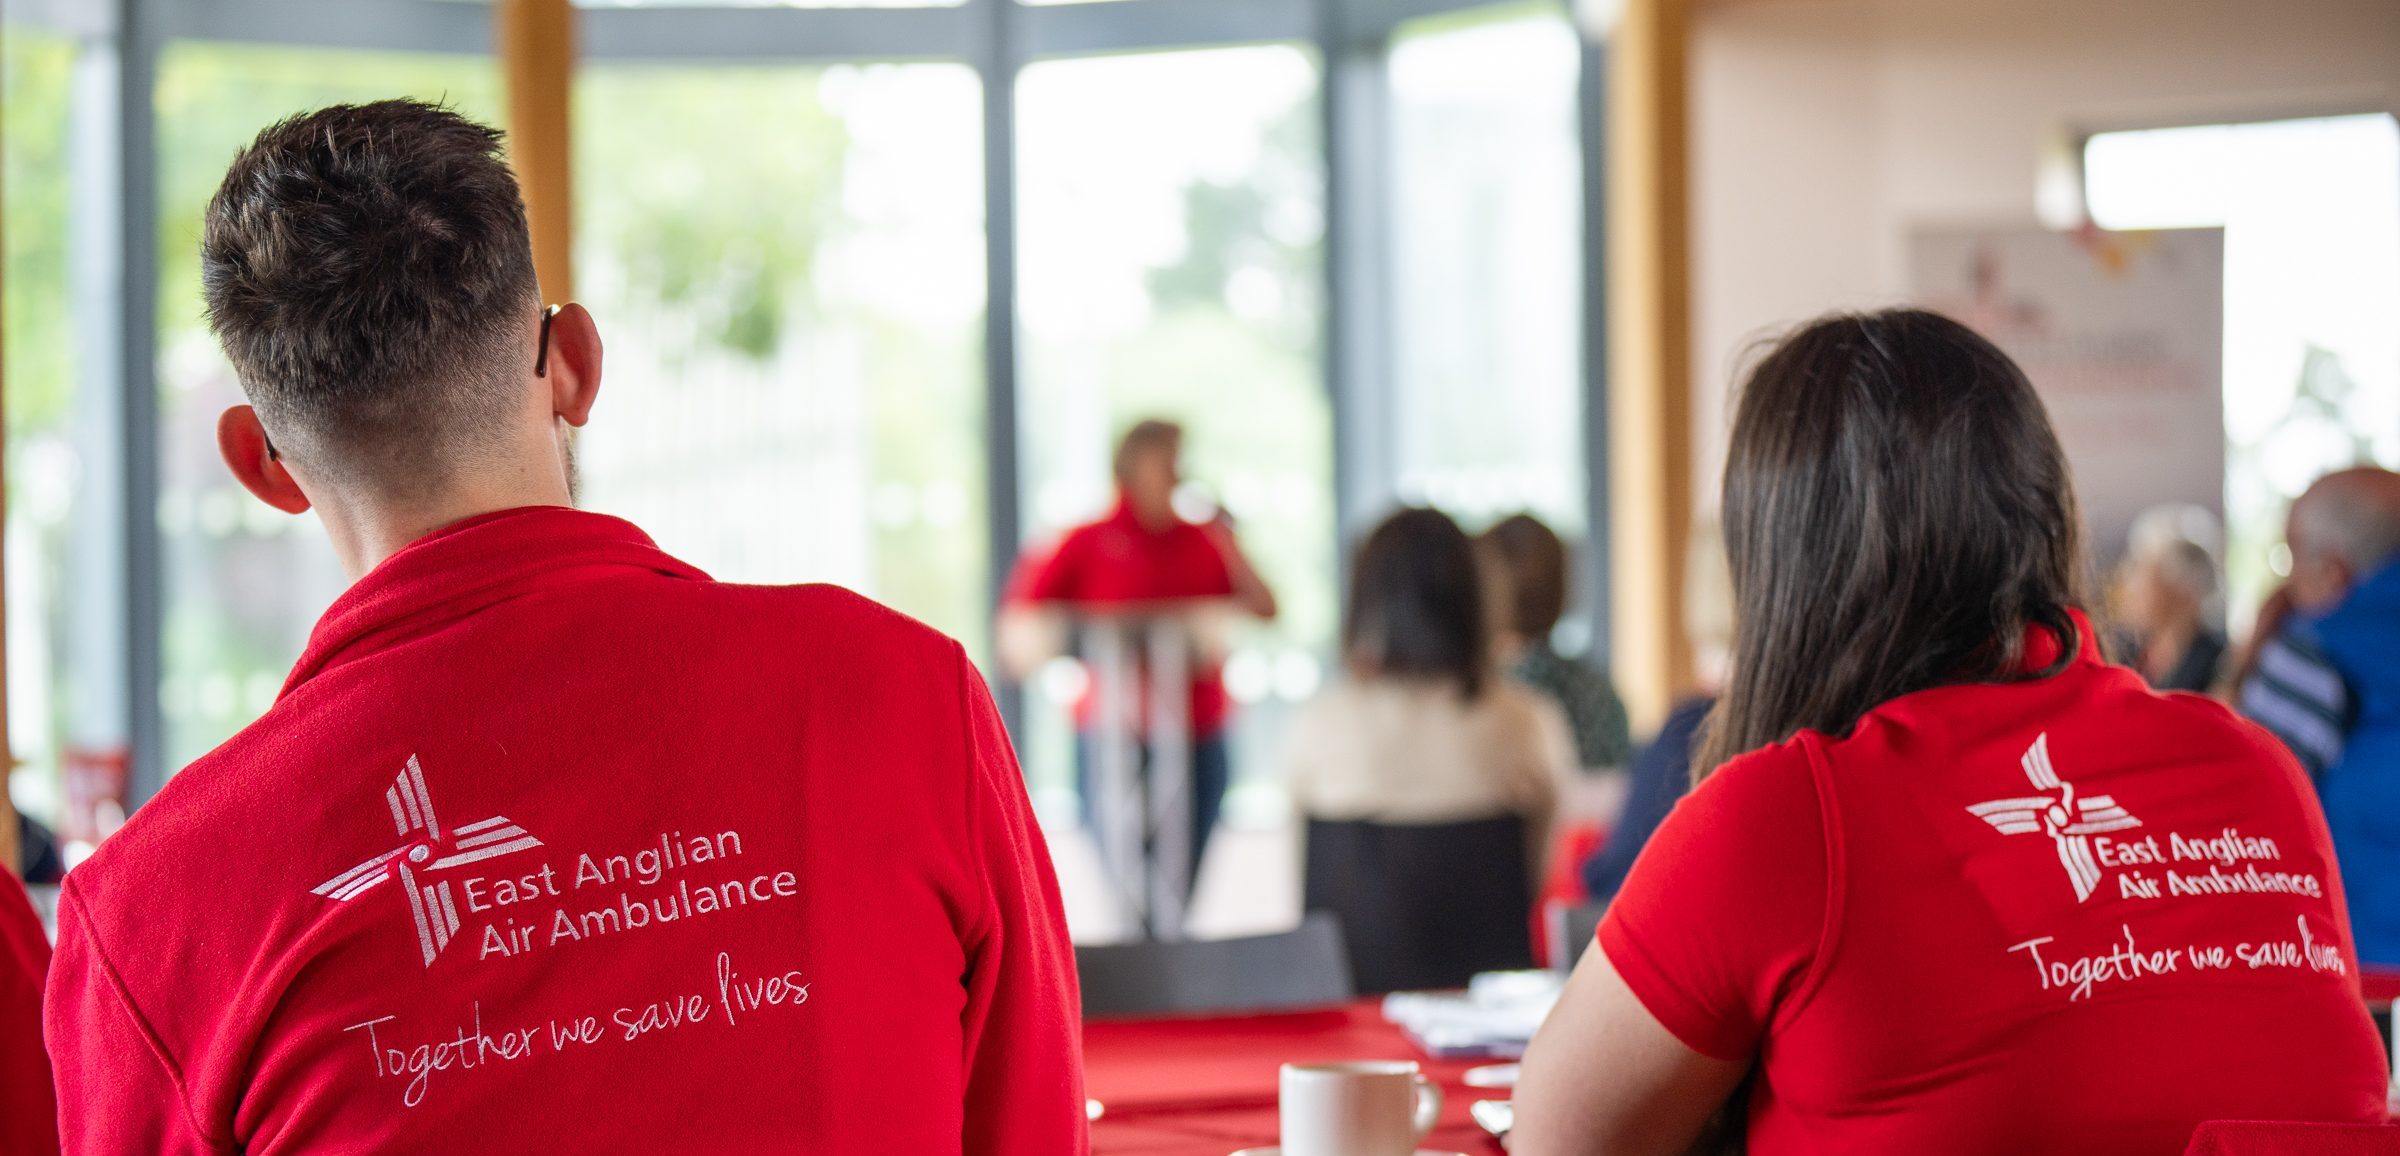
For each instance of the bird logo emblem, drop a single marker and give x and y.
(428, 851)
(2070, 821)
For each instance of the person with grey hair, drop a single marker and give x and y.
(2326, 680)
(2163, 598)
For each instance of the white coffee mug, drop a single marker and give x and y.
(1370, 1108)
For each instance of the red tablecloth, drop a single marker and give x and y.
(2232, 1138)
(2381, 984)
(1206, 1087)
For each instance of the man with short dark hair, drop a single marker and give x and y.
(2326, 680)
(550, 843)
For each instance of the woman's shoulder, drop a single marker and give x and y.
(1330, 701)
(1348, 702)
(1509, 703)
(1348, 692)
(1584, 678)
(2108, 711)
(1763, 809)
(2202, 715)
(1771, 770)
(1504, 695)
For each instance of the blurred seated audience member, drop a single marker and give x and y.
(38, 849)
(671, 864)
(1950, 864)
(28, 1108)
(1429, 781)
(2326, 679)
(1143, 556)
(1662, 772)
(2164, 597)
(1533, 572)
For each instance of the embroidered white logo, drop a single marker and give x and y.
(412, 813)
(2069, 821)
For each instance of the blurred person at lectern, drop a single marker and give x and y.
(1142, 559)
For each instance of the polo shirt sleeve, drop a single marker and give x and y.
(124, 1088)
(1725, 913)
(1022, 1025)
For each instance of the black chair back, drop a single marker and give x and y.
(1571, 927)
(1424, 906)
(1304, 967)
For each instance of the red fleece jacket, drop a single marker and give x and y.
(28, 1114)
(553, 844)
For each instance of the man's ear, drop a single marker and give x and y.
(2340, 574)
(574, 365)
(243, 442)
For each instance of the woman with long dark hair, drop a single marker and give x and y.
(1955, 884)
(1427, 779)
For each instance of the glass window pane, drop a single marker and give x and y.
(37, 338)
(1487, 189)
(243, 583)
(753, 3)
(2311, 212)
(1172, 262)
(787, 266)
(769, 3)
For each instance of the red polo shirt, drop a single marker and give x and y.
(28, 1111)
(553, 845)
(2066, 915)
(1120, 565)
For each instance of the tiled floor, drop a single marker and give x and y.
(1249, 884)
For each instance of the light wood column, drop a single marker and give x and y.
(1649, 325)
(537, 53)
(11, 854)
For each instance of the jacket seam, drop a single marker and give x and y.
(981, 923)
(150, 1037)
(1836, 868)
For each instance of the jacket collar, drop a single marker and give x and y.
(470, 565)
(2043, 646)
(2373, 596)
(2357, 634)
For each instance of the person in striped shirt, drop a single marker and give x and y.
(2326, 680)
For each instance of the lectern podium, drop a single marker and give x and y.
(1140, 771)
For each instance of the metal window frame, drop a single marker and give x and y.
(997, 37)
(1358, 307)
(1599, 557)
(139, 43)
